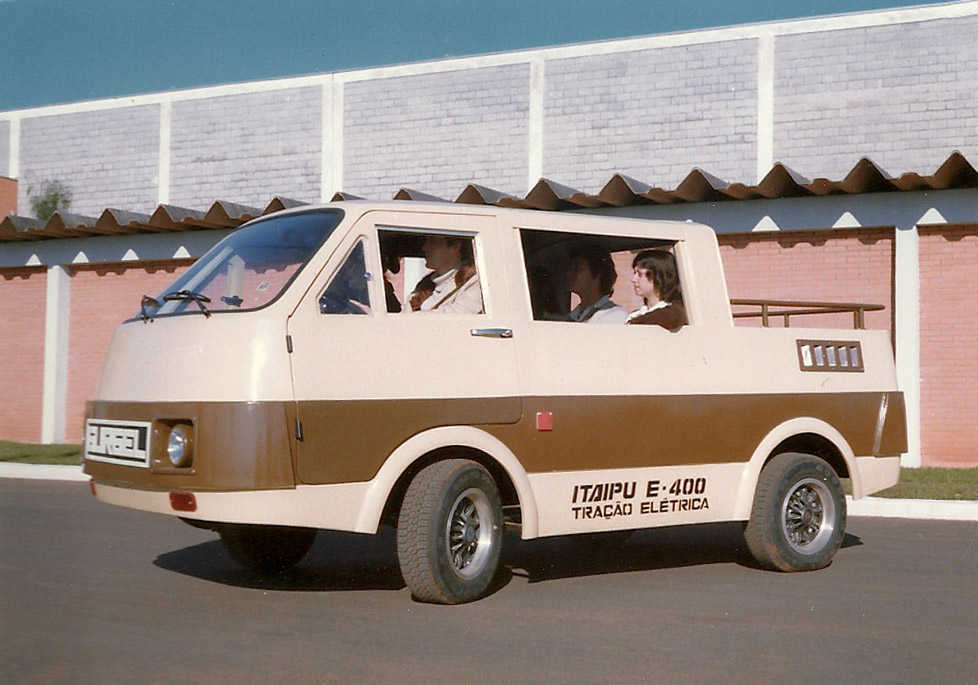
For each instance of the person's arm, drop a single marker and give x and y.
(612, 315)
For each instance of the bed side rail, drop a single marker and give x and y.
(785, 309)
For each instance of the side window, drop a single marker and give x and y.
(583, 278)
(430, 273)
(347, 292)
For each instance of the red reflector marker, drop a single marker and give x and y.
(183, 501)
(91, 485)
(545, 421)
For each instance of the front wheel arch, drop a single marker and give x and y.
(507, 490)
(387, 488)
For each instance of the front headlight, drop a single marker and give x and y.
(179, 447)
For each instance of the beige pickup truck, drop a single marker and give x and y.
(296, 379)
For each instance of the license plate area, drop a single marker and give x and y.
(118, 442)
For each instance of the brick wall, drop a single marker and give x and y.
(108, 158)
(22, 298)
(845, 265)
(903, 95)
(8, 197)
(246, 148)
(948, 357)
(437, 132)
(652, 114)
(102, 297)
(4, 148)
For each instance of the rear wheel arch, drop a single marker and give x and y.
(816, 445)
(802, 435)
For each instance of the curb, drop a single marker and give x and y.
(878, 507)
(41, 471)
(938, 509)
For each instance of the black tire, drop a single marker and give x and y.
(450, 532)
(266, 549)
(799, 515)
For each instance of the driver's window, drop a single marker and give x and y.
(347, 292)
(430, 273)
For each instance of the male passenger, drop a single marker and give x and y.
(456, 283)
(591, 275)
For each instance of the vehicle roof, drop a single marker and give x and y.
(524, 218)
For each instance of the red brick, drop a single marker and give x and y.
(949, 327)
(23, 293)
(102, 297)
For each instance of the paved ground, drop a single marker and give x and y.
(91, 593)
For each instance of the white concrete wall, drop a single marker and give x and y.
(246, 148)
(108, 158)
(430, 131)
(905, 95)
(898, 86)
(652, 114)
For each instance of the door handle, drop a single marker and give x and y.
(492, 332)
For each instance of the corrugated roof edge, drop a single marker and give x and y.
(547, 195)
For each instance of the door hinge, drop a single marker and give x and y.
(288, 343)
(298, 430)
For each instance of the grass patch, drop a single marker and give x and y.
(28, 453)
(932, 483)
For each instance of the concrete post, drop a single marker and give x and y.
(57, 313)
(907, 325)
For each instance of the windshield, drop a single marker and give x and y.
(248, 269)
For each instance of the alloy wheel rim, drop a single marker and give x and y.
(469, 533)
(808, 516)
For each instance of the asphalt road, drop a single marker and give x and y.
(94, 594)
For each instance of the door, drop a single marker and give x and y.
(366, 377)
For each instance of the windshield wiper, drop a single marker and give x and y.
(189, 296)
(147, 301)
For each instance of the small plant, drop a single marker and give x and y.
(51, 197)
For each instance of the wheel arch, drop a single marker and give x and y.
(805, 435)
(387, 488)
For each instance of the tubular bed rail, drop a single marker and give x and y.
(788, 308)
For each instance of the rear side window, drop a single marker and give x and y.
(251, 267)
(560, 267)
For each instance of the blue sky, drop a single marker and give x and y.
(56, 51)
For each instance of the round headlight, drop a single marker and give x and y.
(178, 446)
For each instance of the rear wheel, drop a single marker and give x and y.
(266, 549)
(799, 515)
(449, 533)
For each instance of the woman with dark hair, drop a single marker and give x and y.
(656, 279)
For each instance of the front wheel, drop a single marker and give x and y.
(266, 549)
(799, 515)
(449, 533)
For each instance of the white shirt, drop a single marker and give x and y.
(602, 311)
(645, 309)
(449, 299)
